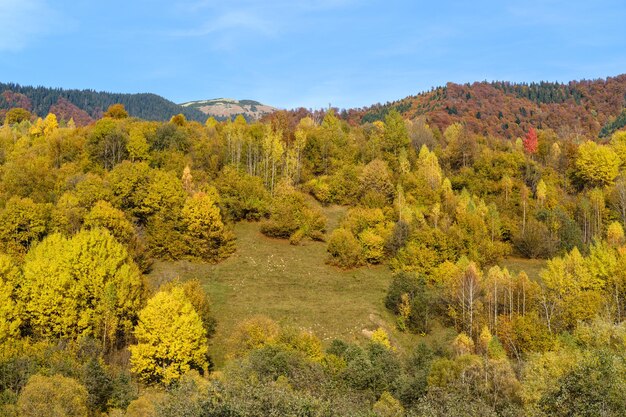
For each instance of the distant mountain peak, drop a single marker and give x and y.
(228, 108)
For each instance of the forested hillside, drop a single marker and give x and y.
(85, 106)
(573, 110)
(309, 265)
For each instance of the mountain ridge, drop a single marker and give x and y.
(590, 108)
(85, 106)
(499, 108)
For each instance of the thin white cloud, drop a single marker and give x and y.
(240, 20)
(22, 21)
(229, 23)
(304, 5)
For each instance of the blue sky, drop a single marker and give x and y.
(305, 53)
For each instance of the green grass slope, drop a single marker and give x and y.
(290, 284)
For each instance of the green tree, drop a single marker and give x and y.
(171, 339)
(344, 249)
(595, 387)
(243, 196)
(107, 141)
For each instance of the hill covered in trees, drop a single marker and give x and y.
(575, 109)
(168, 268)
(85, 106)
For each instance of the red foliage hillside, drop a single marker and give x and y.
(506, 109)
(65, 110)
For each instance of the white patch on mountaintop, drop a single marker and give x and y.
(228, 107)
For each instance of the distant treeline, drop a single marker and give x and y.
(145, 105)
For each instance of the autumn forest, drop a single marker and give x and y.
(465, 248)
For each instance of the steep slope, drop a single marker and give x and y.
(87, 105)
(226, 108)
(589, 108)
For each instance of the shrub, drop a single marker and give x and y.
(292, 218)
(344, 249)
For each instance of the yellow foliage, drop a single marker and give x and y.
(388, 406)
(301, 341)
(254, 333)
(615, 234)
(597, 164)
(10, 306)
(381, 337)
(137, 145)
(171, 339)
(484, 339)
(83, 286)
(463, 344)
(373, 246)
(205, 234)
(50, 124)
(54, 396)
(104, 215)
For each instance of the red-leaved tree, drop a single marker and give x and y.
(530, 141)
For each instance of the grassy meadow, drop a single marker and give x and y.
(290, 284)
(295, 287)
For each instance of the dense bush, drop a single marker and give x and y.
(293, 218)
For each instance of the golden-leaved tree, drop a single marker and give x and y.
(597, 165)
(171, 339)
(10, 307)
(85, 286)
(204, 233)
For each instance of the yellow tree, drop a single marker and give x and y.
(86, 286)
(10, 305)
(302, 133)
(597, 165)
(50, 124)
(171, 339)
(36, 129)
(205, 235)
(429, 169)
(137, 145)
(53, 396)
(542, 192)
(396, 135)
(571, 286)
(104, 215)
(272, 154)
(116, 111)
(507, 185)
(187, 180)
